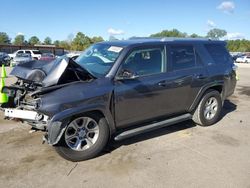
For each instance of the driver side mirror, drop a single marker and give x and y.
(127, 75)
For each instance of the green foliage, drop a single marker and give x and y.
(64, 44)
(170, 33)
(56, 43)
(19, 40)
(194, 35)
(96, 39)
(47, 41)
(80, 42)
(238, 45)
(216, 33)
(34, 40)
(4, 38)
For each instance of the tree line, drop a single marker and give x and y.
(81, 41)
(242, 45)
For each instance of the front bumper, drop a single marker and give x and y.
(25, 115)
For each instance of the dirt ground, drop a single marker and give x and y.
(182, 155)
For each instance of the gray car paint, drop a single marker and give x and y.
(126, 103)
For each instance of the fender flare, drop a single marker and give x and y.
(59, 121)
(203, 90)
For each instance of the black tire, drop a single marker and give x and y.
(69, 154)
(199, 117)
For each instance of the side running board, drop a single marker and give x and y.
(153, 126)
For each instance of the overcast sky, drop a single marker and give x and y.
(122, 18)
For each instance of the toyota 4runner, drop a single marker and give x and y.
(120, 89)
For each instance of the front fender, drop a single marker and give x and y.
(59, 121)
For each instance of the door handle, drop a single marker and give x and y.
(200, 76)
(162, 83)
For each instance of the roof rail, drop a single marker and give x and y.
(170, 38)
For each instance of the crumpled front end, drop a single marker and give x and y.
(23, 106)
(35, 80)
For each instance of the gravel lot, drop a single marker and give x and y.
(182, 155)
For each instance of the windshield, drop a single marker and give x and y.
(99, 58)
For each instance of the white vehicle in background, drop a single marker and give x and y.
(35, 54)
(21, 58)
(243, 59)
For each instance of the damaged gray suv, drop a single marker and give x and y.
(119, 89)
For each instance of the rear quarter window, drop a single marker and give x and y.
(219, 53)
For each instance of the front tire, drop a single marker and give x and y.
(84, 138)
(208, 111)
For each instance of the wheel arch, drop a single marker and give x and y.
(59, 122)
(214, 86)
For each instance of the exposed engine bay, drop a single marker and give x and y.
(35, 79)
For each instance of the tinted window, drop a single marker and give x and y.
(218, 53)
(27, 52)
(183, 57)
(36, 52)
(145, 62)
(19, 52)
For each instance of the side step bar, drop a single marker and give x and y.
(153, 126)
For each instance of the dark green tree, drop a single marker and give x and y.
(47, 41)
(19, 40)
(64, 44)
(34, 40)
(56, 43)
(4, 38)
(194, 35)
(170, 33)
(216, 33)
(96, 39)
(80, 42)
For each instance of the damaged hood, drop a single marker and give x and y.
(59, 71)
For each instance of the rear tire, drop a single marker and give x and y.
(208, 111)
(91, 132)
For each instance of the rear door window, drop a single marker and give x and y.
(219, 53)
(182, 57)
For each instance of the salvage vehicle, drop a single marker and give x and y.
(118, 89)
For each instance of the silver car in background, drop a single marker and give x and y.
(21, 58)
